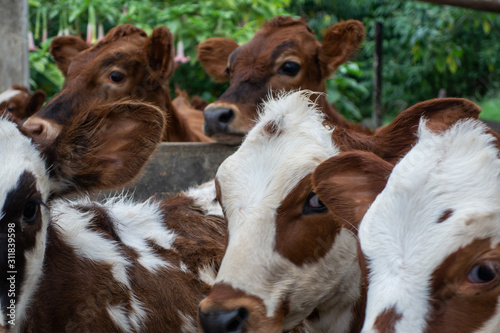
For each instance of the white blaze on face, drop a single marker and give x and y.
(8, 94)
(444, 194)
(287, 143)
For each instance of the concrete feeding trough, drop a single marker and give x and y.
(176, 166)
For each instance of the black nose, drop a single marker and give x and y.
(217, 120)
(224, 321)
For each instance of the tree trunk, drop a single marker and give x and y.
(486, 5)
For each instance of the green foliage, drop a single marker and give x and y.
(426, 47)
(44, 73)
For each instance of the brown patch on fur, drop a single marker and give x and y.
(393, 141)
(254, 68)
(225, 297)
(272, 129)
(458, 305)
(446, 215)
(348, 184)
(386, 321)
(301, 238)
(75, 292)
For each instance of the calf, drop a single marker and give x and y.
(79, 265)
(19, 104)
(430, 241)
(125, 64)
(289, 257)
(283, 55)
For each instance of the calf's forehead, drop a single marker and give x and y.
(447, 186)
(286, 144)
(443, 195)
(18, 155)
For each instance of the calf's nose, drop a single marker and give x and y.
(222, 321)
(217, 120)
(41, 128)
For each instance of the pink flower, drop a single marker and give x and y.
(44, 35)
(100, 32)
(179, 57)
(89, 34)
(31, 42)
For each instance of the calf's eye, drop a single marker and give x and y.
(313, 205)
(290, 68)
(482, 273)
(116, 77)
(30, 211)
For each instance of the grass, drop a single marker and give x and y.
(490, 109)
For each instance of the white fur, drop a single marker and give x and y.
(399, 234)
(208, 274)
(19, 155)
(8, 94)
(128, 321)
(137, 223)
(254, 181)
(188, 323)
(75, 229)
(205, 196)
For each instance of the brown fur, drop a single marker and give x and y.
(23, 105)
(303, 239)
(387, 320)
(348, 183)
(257, 321)
(253, 68)
(458, 305)
(145, 65)
(104, 147)
(393, 141)
(74, 292)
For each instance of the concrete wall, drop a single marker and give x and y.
(14, 66)
(177, 166)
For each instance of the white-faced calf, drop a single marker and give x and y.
(431, 239)
(289, 257)
(118, 266)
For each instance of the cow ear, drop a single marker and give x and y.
(159, 51)
(105, 148)
(394, 140)
(213, 54)
(348, 184)
(340, 42)
(64, 48)
(35, 103)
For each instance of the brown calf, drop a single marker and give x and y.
(289, 257)
(283, 55)
(126, 64)
(80, 265)
(19, 104)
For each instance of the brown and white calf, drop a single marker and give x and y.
(118, 266)
(288, 256)
(283, 55)
(126, 64)
(18, 103)
(430, 241)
